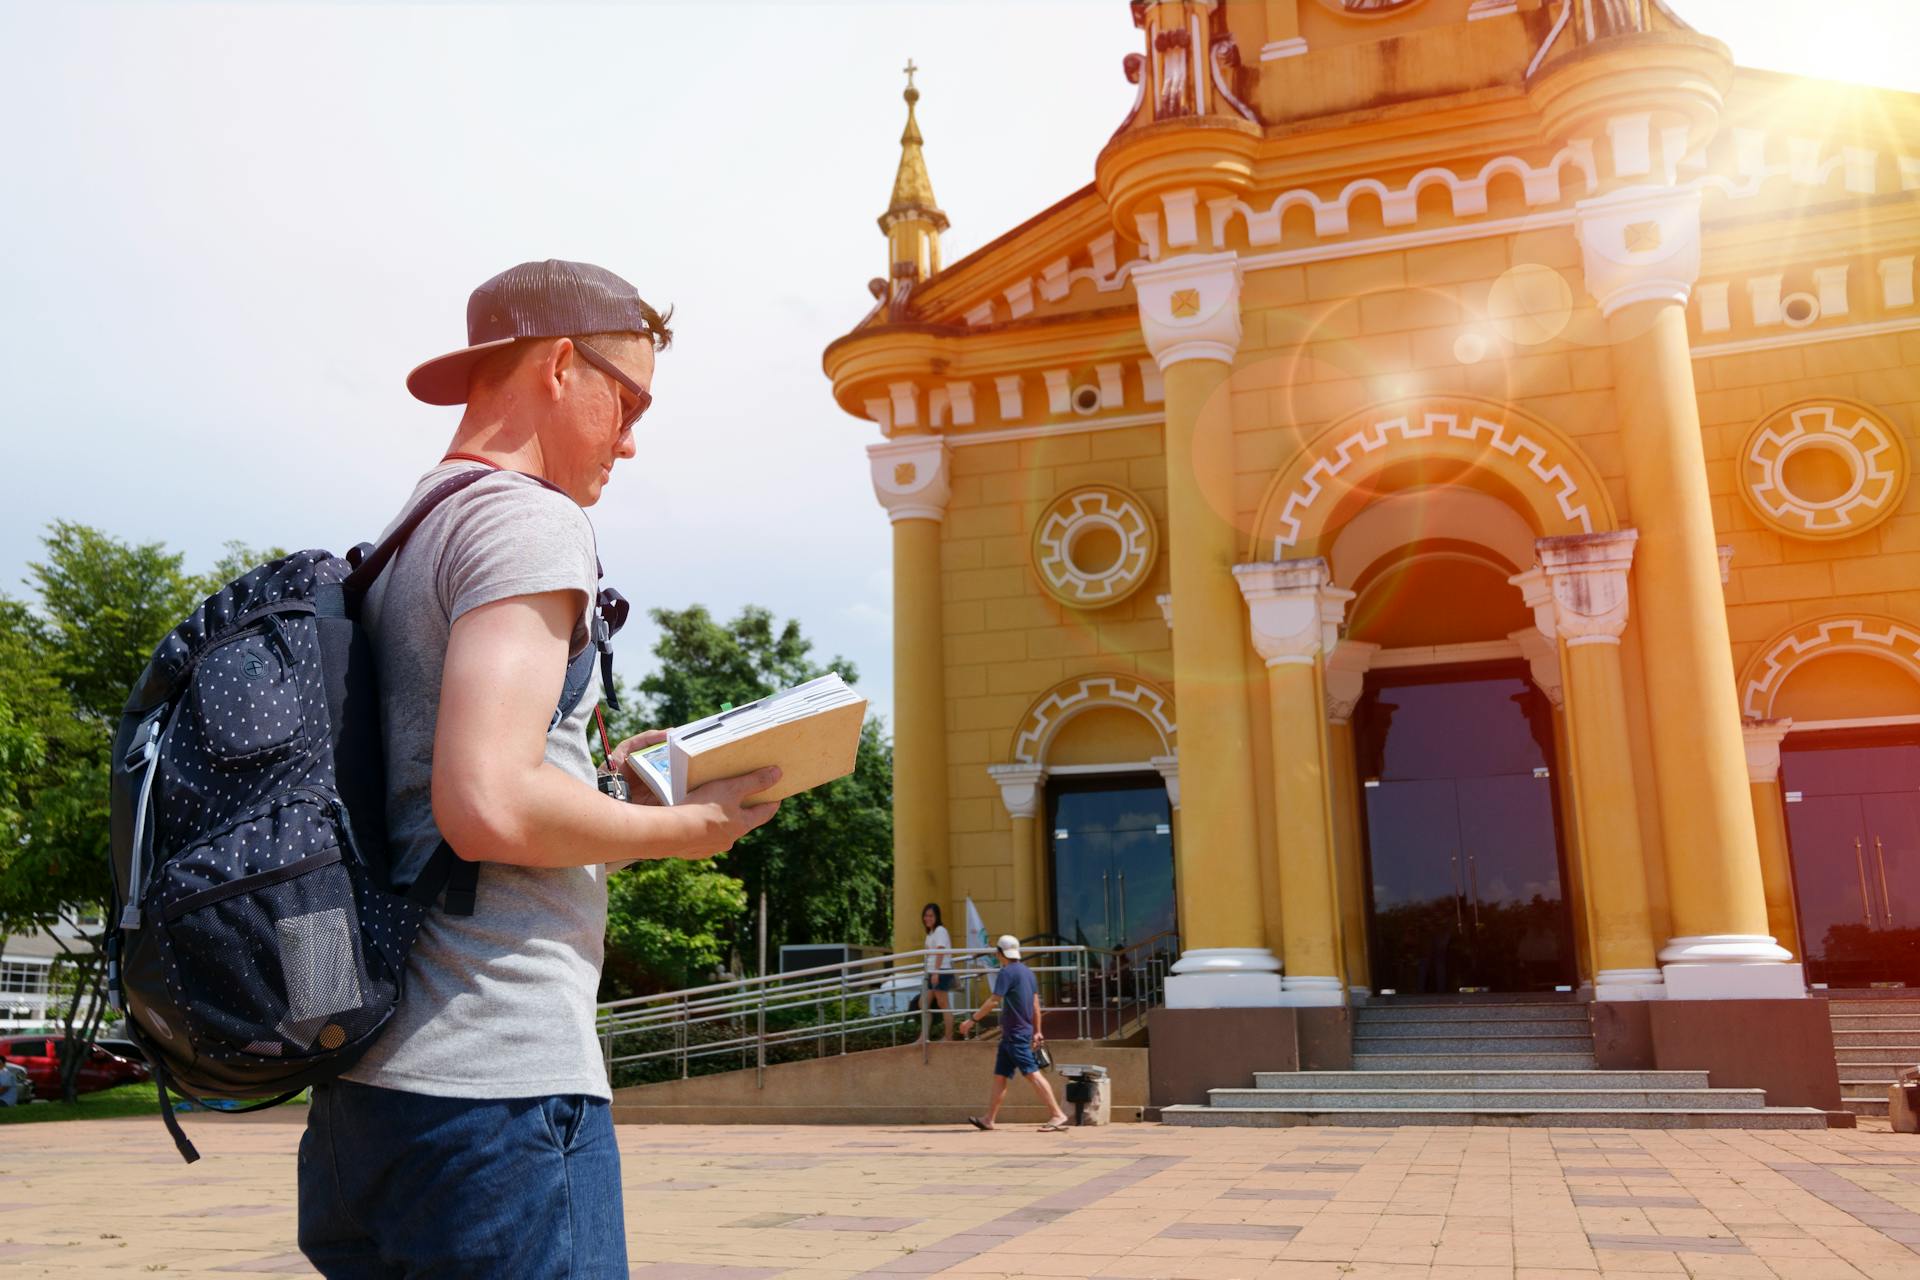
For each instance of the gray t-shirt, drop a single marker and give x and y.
(499, 1004)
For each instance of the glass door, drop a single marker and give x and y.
(1853, 824)
(1112, 864)
(1462, 832)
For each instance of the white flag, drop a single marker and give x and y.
(977, 934)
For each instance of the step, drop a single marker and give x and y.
(1367, 1015)
(1474, 1061)
(1357, 1099)
(1866, 1106)
(1493, 1079)
(1874, 1021)
(1874, 1053)
(1867, 1039)
(1470, 1043)
(1880, 1073)
(1699, 1118)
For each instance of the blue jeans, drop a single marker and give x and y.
(403, 1185)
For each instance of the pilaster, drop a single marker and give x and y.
(1585, 580)
(1295, 611)
(1345, 679)
(1022, 788)
(1763, 738)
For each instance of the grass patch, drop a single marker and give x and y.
(126, 1100)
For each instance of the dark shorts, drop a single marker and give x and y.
(399, 1184)
(1015, 1058)
(940, 982)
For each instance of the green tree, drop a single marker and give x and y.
(826, 859)
(65, 671)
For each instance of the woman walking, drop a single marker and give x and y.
(939, 948)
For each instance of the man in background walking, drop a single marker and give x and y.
(1017, 994)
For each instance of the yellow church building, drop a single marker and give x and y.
(1429, 518)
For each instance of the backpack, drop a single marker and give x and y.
(258, 936)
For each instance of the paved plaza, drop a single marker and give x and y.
(753, 1203)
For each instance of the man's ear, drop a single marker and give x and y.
(559, 366)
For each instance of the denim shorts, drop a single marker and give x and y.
(1015, 1057)
(402, 1185)
(940, 982)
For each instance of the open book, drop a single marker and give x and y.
(811, 731)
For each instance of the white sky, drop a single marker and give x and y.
(227, 231)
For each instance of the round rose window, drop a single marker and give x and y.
(1823, 469)
(1094, 545)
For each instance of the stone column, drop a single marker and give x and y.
(1587, 575)
(1020, 790)
(1641, 252)
(1295, 612)
(910, 479)
(1770, 821)
(1190, 316)
(1345, 679)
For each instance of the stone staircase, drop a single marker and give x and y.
(1486, 1061)
(1876, 1036)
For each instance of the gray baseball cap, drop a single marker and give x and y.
(551, 299)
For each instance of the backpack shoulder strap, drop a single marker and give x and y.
(361, 579)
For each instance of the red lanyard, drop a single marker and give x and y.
(470, 457)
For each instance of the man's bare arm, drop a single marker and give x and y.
(496, 799)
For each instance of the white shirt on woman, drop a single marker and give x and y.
(939, 948)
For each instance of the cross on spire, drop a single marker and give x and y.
(909, 69)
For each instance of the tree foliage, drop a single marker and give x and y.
(826, 859)
(65, 670)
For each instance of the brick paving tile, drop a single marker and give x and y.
(109, 1198)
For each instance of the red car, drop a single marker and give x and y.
(101, 1070)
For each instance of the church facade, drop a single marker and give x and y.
(1430, 516)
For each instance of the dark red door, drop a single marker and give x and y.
(1463, 849)
(1853, 824)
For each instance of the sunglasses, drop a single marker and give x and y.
(641, 396)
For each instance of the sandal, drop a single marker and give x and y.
(980, 1124)
(1051, 1127)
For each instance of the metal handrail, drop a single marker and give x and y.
(721, 1025)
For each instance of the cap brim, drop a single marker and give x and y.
(443, 379)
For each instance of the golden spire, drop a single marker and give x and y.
(913, 222)
(912, 188)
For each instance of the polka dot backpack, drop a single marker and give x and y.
(261, 942)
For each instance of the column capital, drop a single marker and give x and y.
(1190, 307)
(1294, 608)
(1586, 574)
(1347, 667)
(1168, 767)
(1640, 244)
(910, 477)
(1543, 663)
(1763, 747)
(1019, 787)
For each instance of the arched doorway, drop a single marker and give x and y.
(1102, 748)
(1458, 864)
(1850, 791)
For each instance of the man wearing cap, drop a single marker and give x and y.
(475, 1138)
(1017, 993)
